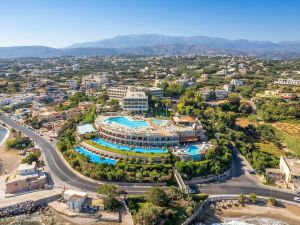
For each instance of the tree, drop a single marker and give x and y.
(252, 198)
(148, 215)
(167, 103)
(241, 198)
(156, 104)
(157, 196)
(31, 157)
(110, 204)
(174, 193)
(109, 190)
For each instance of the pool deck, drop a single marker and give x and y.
(166, 128)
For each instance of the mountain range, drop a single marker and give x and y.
(161, 45)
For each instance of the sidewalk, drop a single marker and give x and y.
(33, 196)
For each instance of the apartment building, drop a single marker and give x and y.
(117, 92)
(120, 91)
(135, 102)
(72, 84)
(209, 94)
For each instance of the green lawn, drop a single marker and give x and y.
(292, 142)
(270, 148)
(149, 155)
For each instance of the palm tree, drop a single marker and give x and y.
(167, 103)
(156, 104)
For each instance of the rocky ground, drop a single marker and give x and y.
(46, 216)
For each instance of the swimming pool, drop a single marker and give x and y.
(108, 144)
(131, 123)
(124, 121)
(195, 151)
(158, 122)
(94, 157)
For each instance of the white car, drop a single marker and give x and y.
(297, 199)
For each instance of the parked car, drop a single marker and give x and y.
(252, 171)
(123, 192)
(297, 199)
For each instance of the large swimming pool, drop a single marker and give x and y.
(108, 144)
(131, 123)
(124, 121)
(94, 157)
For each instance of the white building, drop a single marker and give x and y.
(26, 169)
(75, 199)
(76, 67)
(221, 94)
(72, 84)
(290, 167)
(120, 91)
(288, 81)
(94, 81)
(237, 82)
(117, 92)
(135, 102)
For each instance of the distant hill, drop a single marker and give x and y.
(28, 51)
(153, 44)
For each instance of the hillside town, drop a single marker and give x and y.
(162, 121)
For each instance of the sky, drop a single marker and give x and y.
(60, 23)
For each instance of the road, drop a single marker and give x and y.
(63, 175)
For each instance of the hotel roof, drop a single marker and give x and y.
(86, 128)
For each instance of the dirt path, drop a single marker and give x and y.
(9, 161)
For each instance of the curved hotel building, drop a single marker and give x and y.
(137, 131)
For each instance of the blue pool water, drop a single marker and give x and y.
(123, 121)
(94, 157)
(157, 122)
(193, 150)
(108, 144)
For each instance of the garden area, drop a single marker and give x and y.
(170, 207)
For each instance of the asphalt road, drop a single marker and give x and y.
(64, 176)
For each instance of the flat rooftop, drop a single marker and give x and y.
(86, 128)
(133, 94)
(293, 164)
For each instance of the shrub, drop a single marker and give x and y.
(252, 198)
(271, 201)
(241, 198)
(157, 196)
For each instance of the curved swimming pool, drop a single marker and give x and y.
(108, 144)
(124, 121)
(94, 157)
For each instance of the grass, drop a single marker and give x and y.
(149, 155)
(242, 122)
(288, 132)
(270, 148)
(292, 142)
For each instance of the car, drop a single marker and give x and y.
(297, 199)
(123, 192)
(252, 171)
